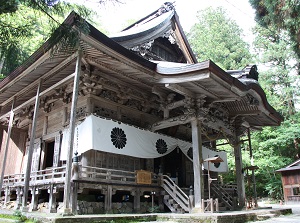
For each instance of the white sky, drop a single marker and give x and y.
(114, 17)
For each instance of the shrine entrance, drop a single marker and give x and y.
(173, 166)
(49, 153)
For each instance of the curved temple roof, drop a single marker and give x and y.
(246, 102)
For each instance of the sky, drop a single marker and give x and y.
(115, 16)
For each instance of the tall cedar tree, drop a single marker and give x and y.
(218, 38)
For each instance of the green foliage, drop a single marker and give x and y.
(280, 79)
(128, 220)
(19, 216)
(218, 38)
(25, 28)
(283, 15)
(154, 209)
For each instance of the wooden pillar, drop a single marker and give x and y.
(166, 113)
(74, 196)
(18, 203)
(253, 174)
(31, 147)
(137, 200)
(52, 199)
(239, 173)
(7, 195)
(45, 126)
(108, 198)
(67, 189)
(34, 199)
(64, 115)
(90, 106)
(197, 166)
(11, 118)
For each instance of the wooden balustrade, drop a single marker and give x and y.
(223, 195)
(57, 175)
(176, 193)
(50, 175)
(293, 198)
(110, 175)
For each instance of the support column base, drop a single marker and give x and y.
(196, 210)
(32, 209)
(24, 209)
(53, 210)
(67, 212)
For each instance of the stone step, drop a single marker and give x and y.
(265, 216)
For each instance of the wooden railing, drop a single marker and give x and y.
(49, 175)
(293, 198)
(88, 173)
(110, 175)
(223, 195)
(176, 193)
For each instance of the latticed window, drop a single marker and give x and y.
(296, 191)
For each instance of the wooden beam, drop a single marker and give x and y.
(67, 207)
(41, 94)
(30, 148)
(216, 124)
(32, 67)
(179, 120)
(45, 76)
(180, 90)
(197, 166)
(11, 118)
(175, 104)
(245, 113)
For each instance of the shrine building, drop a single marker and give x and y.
(126, 123)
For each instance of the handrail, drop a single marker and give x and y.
(223, 195)
(293, 198)
(57, 175)
(96, 173)
(113, 175)
(53, 174)
(176, 193)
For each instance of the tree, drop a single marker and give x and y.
(274, 51)
(283, 15)
(276, 147)
(26, 24)
(218, 38)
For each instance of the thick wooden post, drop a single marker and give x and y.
(108, 198)
(31, 147)
(239, 173)
(136, 200)
(197, 165)
(11, 117)
(18, 203)
(7, 196)
(52, 199)
(34, 199)
(67, 189)
(253, 174)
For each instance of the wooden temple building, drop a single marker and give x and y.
(116, 123)
(290, 178)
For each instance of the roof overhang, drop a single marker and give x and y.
(120, 64)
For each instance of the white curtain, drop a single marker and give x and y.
(119, 138)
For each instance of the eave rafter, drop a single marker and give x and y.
(116, 56)
(31, 100)
(45, 77)
(101, 65)
(180, 90)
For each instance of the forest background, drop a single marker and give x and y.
(26, 24)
